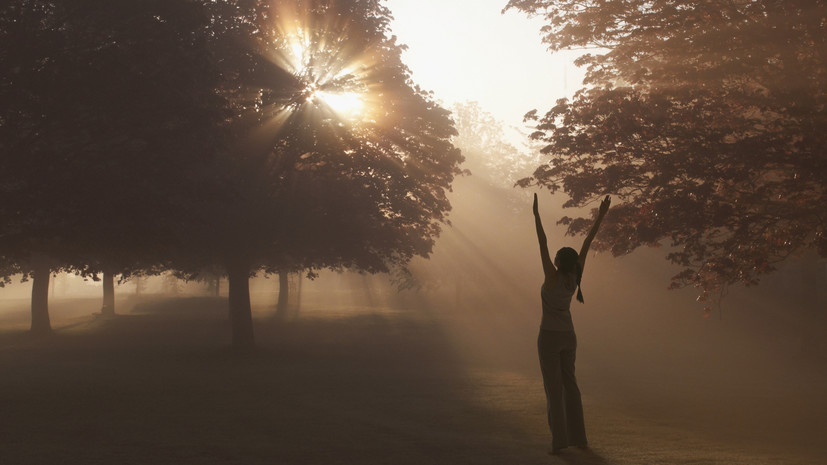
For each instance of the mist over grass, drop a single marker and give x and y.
(413, 383)
(446, 372)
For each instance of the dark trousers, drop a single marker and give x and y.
(565, 409)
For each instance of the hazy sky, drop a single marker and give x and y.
(467, 50)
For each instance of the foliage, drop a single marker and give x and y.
(153, 134)
(471, 257)
(106, 106)
(704, 119)
(488, 152)
(304, 186)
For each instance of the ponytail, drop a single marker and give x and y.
(579, 272)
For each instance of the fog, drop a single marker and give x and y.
(434, 362)
(746, 380)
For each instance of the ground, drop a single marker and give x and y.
(158, 384)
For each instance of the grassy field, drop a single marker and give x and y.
(158, 384)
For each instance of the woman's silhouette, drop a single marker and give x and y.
(557, 342)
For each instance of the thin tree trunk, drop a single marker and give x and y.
(284, 292)
(299, 293)
(218, 286)
(241, 315)
(108, 308)
(40, 298)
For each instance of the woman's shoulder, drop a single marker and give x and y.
(568, 281)
(551, 279)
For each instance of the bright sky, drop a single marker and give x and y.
(466, 50)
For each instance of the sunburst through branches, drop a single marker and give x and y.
(332, 64)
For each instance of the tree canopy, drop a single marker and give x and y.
(332, 156)
(704, 119)
(244, 134)
(365, 186)
(489, 154)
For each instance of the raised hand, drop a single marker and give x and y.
(604, 205)
(548, 266)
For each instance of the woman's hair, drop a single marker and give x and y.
(569, 262)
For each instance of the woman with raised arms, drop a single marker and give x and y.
(557, 342)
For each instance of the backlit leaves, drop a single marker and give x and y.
(704, 119)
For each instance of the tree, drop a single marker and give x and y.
(186, 135)
(106, 106)
(704, 119)
(305, 181)
(29, 233)
(488, 152)
(152, 114)
(473, 263)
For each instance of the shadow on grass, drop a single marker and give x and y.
(160, 385)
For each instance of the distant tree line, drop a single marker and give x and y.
(144, 136)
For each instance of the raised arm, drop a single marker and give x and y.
(584, 251)
(548, 266)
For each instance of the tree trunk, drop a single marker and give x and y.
(284, 292)
(218, 286)
(241, 315)
(40, 299)
(108, 308)
(298, 294)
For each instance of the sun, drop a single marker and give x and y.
(346, 104)
(335, 77)
(327, 86)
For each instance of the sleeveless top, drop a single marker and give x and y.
(556, 304)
